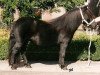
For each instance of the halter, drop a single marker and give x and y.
(90, 33)
(84, 20)
(98, 3)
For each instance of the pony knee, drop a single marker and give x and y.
(18, 45)
(16, 48)
(62, 55)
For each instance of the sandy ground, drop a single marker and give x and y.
(52, 68)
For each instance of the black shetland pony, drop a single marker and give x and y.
(58, 31)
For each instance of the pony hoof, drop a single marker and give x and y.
(14, 67)
(71, 69)
(28, 66)
(64, 67)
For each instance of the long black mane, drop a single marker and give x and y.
(64, 20)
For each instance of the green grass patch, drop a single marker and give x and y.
(3, 48)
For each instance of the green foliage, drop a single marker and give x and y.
(26, 7)
(9, 6)
(70, 4)
(96, 55)
(3, 49)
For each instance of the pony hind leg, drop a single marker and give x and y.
(15, 55)
(12, 42)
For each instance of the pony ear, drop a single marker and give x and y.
(84, 8)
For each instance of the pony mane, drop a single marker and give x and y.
(60, 21)
(64, 15)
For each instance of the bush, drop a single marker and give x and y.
(3, 49)
(26, 7)
(96, 55)
(4, 34)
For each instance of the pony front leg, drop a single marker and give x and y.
(23, 55)
(26, 61)
(62, 52)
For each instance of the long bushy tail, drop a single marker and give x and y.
(12, 42)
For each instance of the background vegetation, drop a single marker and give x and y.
(26, 7)
(4, 35)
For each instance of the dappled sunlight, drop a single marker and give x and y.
(4, 34)
(83, 35)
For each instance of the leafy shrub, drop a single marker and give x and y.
(26, 7)
(96, 55)
(4, 34)
(3, 49)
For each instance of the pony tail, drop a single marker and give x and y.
(12, 42)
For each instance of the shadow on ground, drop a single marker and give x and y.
(77, 50)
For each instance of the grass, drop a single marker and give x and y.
(4, 34)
